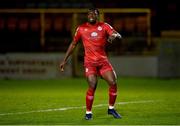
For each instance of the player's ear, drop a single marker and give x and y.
(97, 17)
(97, 13)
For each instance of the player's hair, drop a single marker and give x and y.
(94, 9)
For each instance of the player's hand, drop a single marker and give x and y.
(111, 39)
(62, 64)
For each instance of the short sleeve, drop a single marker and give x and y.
(109, 29)
(77, 35)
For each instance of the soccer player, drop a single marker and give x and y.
(95, 35)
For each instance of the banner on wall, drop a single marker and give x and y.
(32, 66)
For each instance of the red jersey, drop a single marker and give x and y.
(94, 39)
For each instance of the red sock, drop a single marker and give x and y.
(89, 98)
(112, 94)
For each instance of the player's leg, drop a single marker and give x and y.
(91, 75)
(92, 83)
(110, 77)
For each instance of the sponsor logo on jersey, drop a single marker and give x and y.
(99, 28)
(94, 34)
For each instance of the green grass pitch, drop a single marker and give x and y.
(141, 101)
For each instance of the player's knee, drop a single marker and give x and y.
(92, 84)
(92, 81)
(112, 82)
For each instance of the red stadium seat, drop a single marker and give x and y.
(141, 22)
(12, 23)
(23, 24)
(118, 24)
(35, 24)
(129, 24)
(48, 24)
(58, 24)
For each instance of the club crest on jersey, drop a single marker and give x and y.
(99, 28)
(94, 34)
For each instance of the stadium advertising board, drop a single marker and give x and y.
(32, 66)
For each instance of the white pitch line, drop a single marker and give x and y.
(69, 108)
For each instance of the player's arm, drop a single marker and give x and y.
(113, 36)
(68, 53)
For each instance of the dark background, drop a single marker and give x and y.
(164, 13)
(164, 17)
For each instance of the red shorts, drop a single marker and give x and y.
(97, 68)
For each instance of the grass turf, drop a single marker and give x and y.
(33, 95)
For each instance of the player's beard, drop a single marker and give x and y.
(92, 21)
